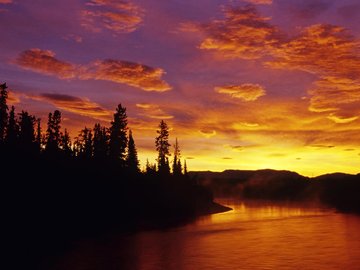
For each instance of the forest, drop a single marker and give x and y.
(56, 190)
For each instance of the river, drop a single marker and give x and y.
(262, 235)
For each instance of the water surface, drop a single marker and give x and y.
(252, 236)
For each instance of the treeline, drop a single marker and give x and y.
(22, 134)
(56, 189)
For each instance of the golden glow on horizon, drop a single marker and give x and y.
(238, 87)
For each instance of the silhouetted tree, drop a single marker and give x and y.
(84, 144)
(150, 169)
(53, 134)
(177, 169)
(100, 142)
(12, 129)
(162, 146)
(132, 161)
(3, 110)
(27, 131)
(185, 168)
(118, 132)
(38, 135)
(66, 143)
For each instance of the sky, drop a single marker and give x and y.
(245, 85)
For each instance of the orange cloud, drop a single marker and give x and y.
(260, 2)
(327, 51)
(137, 75)
(320, 49)
(341, 120)
(81, 106)
(133, 74)
(44, 61)
(242, 34)
(245, 92)
(13, 97)
(153, 111)
(334, 55)
(117, 16)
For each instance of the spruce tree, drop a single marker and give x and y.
(38, 135)
(118, 135)
(132, 161)
(12, 129)
(27, 131)
(3, 111)
(100, 142)
(185, 168)
(66, 143)
(162, 146)
(53, 134)
(84, 144)
(176, 167)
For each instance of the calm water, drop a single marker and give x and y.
(252, 236)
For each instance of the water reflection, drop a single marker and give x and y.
(252, 236)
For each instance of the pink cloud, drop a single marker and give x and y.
(117, 16)
(134, 74)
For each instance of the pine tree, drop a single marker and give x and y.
(66, 143)
(27, 131)
(132, 161)
(100, 142)
(185, 168)
(53, 134)
(177, 170)
(162, 146)
(118, 135)
(12, 129)
(38, 135)
(84, 144)
(3, 111)
(150, 169)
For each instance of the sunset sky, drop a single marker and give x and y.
(243, 84)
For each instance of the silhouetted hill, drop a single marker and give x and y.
(265, 184)
(338, 190)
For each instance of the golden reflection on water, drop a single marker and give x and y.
(256, 236)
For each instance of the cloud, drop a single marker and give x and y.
(335, 94)
(134, 74)
(124, 72)
(81, 106)
(44, 61)
(13, 98)
(333, 54)
(207, 133)
(341, 120)
(320, 49)
(73, 37)
(329, 52)
(153, 111)
(260, 2)
(116, 16)
(242, 34)
(245, 92)
(6, 1)
(322, 146)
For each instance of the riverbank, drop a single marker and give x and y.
(45, 214)
(337, 190)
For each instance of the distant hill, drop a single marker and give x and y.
(338, 190)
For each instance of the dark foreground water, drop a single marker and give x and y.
(252, 236)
